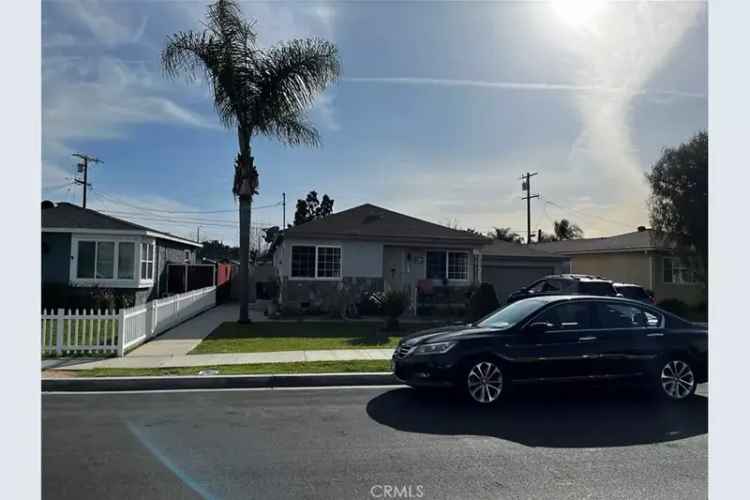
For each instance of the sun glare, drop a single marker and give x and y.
(577, 13)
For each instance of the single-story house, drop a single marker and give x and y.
(369, 248)
(510, 266)
(83, 249)
(642, 257)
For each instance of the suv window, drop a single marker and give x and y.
(570, 316)
(539, 286)
(632, 292)
(609, 315)
(596, 288)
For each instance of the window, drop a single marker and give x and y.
(86, 259)
(458, 266)
(105, 259)
(303, 262)
(316, 262)
(147, 261)
(538, 286)
(678, 271)
(624, 316)
(435, 265)
(572, 316)
(329, 262)
(453, 265)
(126, 260)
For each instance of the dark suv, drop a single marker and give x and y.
(566, 284)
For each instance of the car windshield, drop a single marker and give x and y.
(511, 314)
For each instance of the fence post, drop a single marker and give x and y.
(59, 331)
(121, 333)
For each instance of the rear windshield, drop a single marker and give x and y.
(511, 314)
(632, 292)
(596, 288)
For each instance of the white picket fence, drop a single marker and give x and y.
(107, 332)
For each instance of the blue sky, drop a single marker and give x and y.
(441, 106)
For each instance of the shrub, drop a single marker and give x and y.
(395, 303)
(675, 306)
(483, 301)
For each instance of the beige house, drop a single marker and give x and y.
(640, 257)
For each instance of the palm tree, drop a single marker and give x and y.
(506, 234)
(566, 230)
(258, 91)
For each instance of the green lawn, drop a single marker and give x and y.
(298, 336)
(254, 369)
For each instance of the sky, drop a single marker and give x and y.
(440, 107)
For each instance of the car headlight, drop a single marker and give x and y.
(435, 348)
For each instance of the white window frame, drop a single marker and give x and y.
(446, 260)
(113, 282)
(316, 277)
(144, 259)
(679, 265)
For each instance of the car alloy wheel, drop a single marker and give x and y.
(485, 382)
(677, 379)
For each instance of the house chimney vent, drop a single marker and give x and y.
(47, 204)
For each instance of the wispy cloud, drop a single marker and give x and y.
(522, 86)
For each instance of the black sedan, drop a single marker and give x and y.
(559, 338)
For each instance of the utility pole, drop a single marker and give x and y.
(83, 167)
(526, 186)
(283, 204)
(198, 235)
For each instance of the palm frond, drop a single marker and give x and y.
(289, 77)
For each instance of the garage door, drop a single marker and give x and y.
(509, 279)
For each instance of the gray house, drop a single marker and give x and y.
(369, 248)
(83, 249)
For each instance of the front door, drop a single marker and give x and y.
(393, 260)
(564, 351)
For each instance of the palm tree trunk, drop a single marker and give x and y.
(245, 218)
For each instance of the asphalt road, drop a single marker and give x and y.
(355, 443)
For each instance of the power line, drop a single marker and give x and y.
(611, 221)
(119, 201)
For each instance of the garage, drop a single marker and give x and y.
(510, 266)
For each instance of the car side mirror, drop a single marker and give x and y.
(538, 327)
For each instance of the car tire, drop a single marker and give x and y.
(483, 381)
(674, 379)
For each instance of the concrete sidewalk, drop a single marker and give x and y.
(184, 337)
(167, 361)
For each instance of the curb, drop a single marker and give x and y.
(115, 384)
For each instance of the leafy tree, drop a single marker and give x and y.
(270, 234)
(566, 230)
(216, 250)
(505, 234)
(258, 91)
(311, 208)
(678, 204)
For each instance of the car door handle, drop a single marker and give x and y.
(654, 334)
(587, 338)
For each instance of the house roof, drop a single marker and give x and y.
(370, 222)
(500, 248)
(629, 242)
(66, 217)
